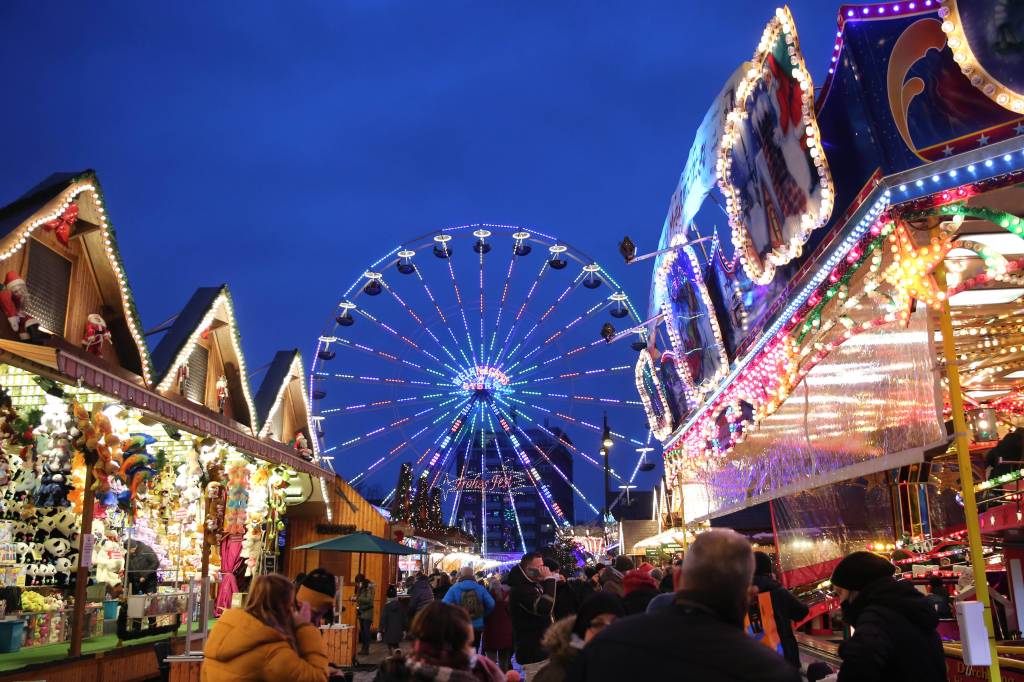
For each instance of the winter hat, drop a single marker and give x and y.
(609, 574)
(645, 567)
(317, 589)
(593, 606)
(637, 579)
(859, 569)
(762, 564)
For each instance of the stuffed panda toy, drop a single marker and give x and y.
(64, 571)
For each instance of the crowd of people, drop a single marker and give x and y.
(548, 623)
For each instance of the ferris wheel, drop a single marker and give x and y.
(471, 330)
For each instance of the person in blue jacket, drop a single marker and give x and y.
(474, 598)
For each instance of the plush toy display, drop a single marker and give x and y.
(238, 497)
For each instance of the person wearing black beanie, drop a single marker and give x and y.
(786, 609)
(894, 636)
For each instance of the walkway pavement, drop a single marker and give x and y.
(366, 670)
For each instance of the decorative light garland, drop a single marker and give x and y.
(223, 300)
(910, 275)
(296, 370)
(20, 236)
(660, 418)
(700, 287)
(981, 79)
(781, 26)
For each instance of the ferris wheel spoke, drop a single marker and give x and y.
(462, 310)
(602, 305)
(409, 441)
(440, 314)
(519, 315)
(391, 402)
(554, 466)
(452, 435)
(405, 339)
(573, 354)
(554, 511)
(465, 465)
(419, 320)
(501, 303)
(599, 429)
(363, 348)
(504, 472)
(482, 349)
(380, 430)
(389, 381)
(546, 315)
(523, 408)
(579, 398)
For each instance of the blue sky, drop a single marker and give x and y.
(281, 147)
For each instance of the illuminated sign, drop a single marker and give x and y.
(501, 482)
(481, 378)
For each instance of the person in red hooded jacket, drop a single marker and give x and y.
(638, 588)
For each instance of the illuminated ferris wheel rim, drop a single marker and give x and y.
(487, 382)
(414, 246)
(481, 232)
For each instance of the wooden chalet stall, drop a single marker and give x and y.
(72, 336)
(199, 358)
(347, 512)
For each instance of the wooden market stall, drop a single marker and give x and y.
(72, 354)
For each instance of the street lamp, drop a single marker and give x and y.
(606, 444)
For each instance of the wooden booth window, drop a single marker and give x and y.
(48, 280)
(195, 385)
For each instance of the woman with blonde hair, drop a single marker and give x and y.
(266, 641)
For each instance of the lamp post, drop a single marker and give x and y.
(606, 445)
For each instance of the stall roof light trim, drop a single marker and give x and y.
(77, 183)
(1006, 156)
(221, 299)
(286, 366)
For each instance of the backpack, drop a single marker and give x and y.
(470, 601)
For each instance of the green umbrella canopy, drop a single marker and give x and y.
(361, 542)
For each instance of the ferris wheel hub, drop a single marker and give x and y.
(482, 380)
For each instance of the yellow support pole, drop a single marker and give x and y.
(963, 458)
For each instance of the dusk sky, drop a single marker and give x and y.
(282, 147)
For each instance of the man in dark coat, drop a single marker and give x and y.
(700, 636)
(420, 594)
(566, 603)
(894, 636)
(530, 602)
(142, 566)
(787, 608)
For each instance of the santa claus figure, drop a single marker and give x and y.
(222, 392)
(181, 377)
(96, 333)
(14, 300)
(301, 446)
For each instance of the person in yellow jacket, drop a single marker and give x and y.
(266, 641)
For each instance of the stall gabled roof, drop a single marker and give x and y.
(47, 201)
(206, 305)
(286, 367)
